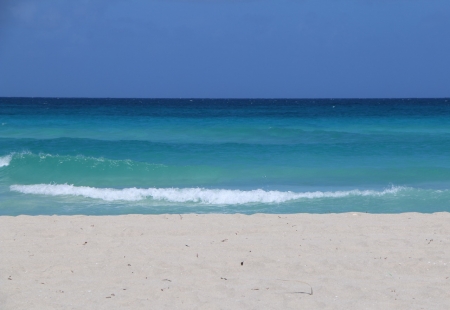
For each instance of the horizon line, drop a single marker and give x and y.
(227, 98)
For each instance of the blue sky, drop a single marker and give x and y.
(225, 48)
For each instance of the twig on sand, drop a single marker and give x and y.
(310, 286)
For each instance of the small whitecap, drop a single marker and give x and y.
(5, 160)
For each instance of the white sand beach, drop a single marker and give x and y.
(301, 261)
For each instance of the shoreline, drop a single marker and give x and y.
(226, 261)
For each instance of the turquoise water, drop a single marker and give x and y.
(121, 156)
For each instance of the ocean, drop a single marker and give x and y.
(153, 156)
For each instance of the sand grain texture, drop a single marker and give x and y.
(351, 261)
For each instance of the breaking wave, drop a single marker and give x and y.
(196, 195)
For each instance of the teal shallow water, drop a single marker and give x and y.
(119, 156)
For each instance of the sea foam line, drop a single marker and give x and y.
(197, 195)
(5, 160)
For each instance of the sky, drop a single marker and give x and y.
(225, 48)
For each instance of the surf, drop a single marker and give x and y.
(196, 195)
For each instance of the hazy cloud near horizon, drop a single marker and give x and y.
(218, 48)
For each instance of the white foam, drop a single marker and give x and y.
(5, 160)
(198, 195)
